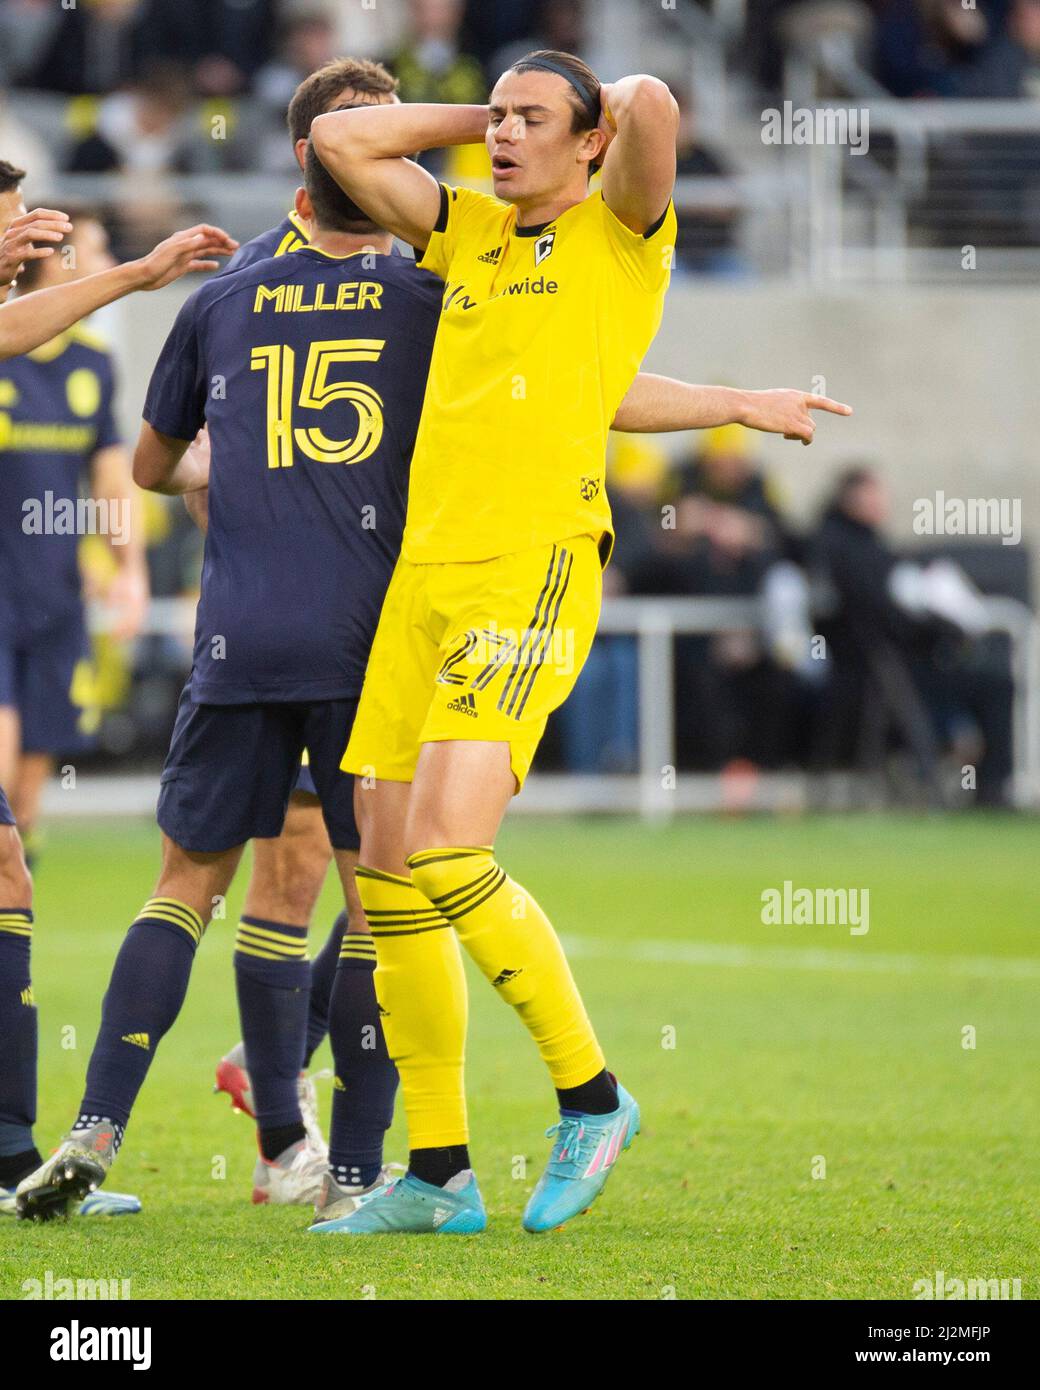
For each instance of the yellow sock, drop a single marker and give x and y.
(421, 989)
(513, 943)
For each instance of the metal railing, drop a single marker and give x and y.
(656, 791)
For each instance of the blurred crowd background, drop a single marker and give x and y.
(868, 648)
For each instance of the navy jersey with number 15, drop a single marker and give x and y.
(309, 370)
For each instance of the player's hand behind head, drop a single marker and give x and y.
(30, 237)
(191, 249)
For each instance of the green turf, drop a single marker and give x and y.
(779, 1056)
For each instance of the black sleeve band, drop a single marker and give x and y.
(441, 224)
(656, 226)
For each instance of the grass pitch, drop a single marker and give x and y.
(816, 1123)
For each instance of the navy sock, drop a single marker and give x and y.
(145, 994)
(18, 1030)
(273, 978)
(15, 1167)
(366, 1079)
(323, 974)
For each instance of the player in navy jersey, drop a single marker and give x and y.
(58, 438)
(288, 871)
(25, 324)
(306, 369)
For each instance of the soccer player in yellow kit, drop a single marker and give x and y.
(552, 298)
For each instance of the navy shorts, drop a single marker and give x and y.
(6, 815)
(47, 678)
(231, 770)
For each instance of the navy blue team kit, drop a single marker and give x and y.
(309, 371)
(56, 412)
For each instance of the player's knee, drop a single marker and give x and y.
(15, 879)
(440, 877)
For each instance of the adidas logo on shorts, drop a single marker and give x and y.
(465, 704)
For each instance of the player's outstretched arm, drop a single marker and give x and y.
(35, 318)
(640, 119)
(660, 404)
(365, 152)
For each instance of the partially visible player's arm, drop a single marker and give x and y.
(33, 319)
(19, 242)
(639, 164)
(167, 465)
(112, 482)
(365, 152)
(196, 502)
(660, 404)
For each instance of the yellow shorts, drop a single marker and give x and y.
(482, 649)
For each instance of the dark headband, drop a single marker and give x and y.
(548, 65)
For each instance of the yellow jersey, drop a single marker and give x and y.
(542, 331)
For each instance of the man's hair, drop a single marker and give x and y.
(315, 93)
(10, 177)
(582, 85)
(850, 480)
(333, 210)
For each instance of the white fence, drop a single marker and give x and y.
(655, 791)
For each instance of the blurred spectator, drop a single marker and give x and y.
(489, 28)
(599, 724)
(22, 147)
(558, 24)
(86, 48)
(728, 526)
(734, 699)
(1010, 66)
(431, 65)
(933, 48)
(223, 42)
(904, 663)
(142, 129)
(706, 243)
(308, 43)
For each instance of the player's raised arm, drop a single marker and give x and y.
(35, 318)
(365, 150)
(660, 404)
(640, 118)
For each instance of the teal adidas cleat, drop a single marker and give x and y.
(409, 1206)
(582, 1159)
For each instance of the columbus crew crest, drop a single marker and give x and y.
(543, 247)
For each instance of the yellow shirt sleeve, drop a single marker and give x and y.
(646, 257)
(460, 207)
